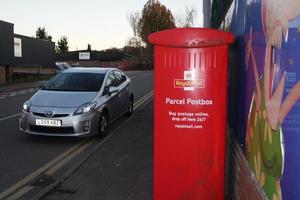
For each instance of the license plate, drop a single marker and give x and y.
(48, 122)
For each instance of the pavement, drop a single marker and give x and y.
(121, 169)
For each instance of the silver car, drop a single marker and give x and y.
(78, 102)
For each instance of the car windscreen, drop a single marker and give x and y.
(77, 82)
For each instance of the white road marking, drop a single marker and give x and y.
(23, 90)
(9, 117)
(15, 93)
(32, 90)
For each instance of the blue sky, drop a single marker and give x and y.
(102, 23)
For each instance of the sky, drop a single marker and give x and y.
(101, 23)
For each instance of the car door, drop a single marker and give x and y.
(123, 90)
(112, 99)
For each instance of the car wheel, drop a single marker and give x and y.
(130, 107)
(103, 125)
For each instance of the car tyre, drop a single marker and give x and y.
(130, 107)
(103, 125)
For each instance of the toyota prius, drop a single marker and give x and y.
(78, 102)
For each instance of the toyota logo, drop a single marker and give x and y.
(48, 114)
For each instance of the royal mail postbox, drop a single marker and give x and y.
(190, 94)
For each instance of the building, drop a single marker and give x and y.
(87, 58)
(22, 54)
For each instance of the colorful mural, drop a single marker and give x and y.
(268, 38)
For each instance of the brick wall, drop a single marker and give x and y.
(240, 181)
(123, 65)
(2, 74)
(33, 70)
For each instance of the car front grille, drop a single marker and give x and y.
(54, 116)
(43, 129)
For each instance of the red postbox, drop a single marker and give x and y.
(190, 100)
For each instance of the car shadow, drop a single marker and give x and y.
(33, 139)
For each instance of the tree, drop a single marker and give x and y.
(62, 45)
(113, 50)
(41, 33)
(133, 46)
(135, 41)
(155, 17)
(187, 19)
(89, 47)
(133, 19)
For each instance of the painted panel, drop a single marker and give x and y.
(268, 130)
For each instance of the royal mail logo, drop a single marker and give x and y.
(189, 82)
(181, 83)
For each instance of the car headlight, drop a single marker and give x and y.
(85, 108)
(26, 106)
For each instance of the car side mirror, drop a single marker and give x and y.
(113, 90)
(110, 90)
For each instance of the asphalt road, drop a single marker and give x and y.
(21, 156)
(121, 170)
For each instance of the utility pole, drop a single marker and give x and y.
(206, 13)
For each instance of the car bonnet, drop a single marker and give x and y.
(62, 99)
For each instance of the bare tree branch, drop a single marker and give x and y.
(186, 19)
(133, 19)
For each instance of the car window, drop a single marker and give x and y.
(111, 80)
(59, 82)
(85, 82)
(120, 77)
(124, 78)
